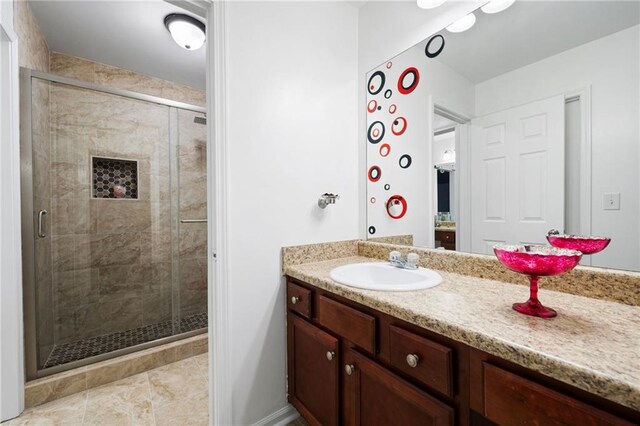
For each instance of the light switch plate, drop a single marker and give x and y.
(611, 201)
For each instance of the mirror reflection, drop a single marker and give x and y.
(524, 122)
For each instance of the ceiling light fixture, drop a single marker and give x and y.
(429, 4)
(495, 6)
(462, 24)
(186, 30)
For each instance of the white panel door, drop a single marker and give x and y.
(517, 175)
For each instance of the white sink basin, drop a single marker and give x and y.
(384, 277)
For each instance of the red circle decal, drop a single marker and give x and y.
(392, 108)
(374, 173)
(408, 80)
(399, 126)
(385, 149)
(389, 64)
(396, 207)
(373, 200)
(372, 105)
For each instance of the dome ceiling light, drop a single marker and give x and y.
(186, 30)
(429, 4)
(496, 6)
(462, 24)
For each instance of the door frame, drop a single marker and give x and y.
(12, 349)
(462, 181)
(584, 95)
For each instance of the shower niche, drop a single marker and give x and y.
(114, 178)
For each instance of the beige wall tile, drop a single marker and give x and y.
(33, 52)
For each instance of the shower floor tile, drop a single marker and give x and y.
(92, 346)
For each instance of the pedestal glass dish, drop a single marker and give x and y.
(586, 245)
(536, 262)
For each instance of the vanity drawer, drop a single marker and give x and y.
(353, 325)
(446, 236)
(509, 398)
(299, 300)
(422, 359)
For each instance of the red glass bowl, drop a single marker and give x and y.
(586, 245)
(536, 262)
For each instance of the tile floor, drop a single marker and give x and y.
(174, 394)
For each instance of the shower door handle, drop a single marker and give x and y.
(193, 220)
(41, 214)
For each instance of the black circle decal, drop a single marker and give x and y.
(405, 161)
(408, 80)
(372, 230)
(387, 187)
(375, 132)
(376, 82)
(433, 51)
(388, 93)
(374, 173)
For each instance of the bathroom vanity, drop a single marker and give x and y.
(455, 354)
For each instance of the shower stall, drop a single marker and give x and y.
(114, 221)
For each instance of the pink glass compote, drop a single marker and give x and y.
(536, 262)
(586, 245)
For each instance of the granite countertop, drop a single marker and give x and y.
(445, 228)
(592, 344)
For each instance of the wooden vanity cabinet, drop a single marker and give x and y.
(349, 364)
(313, 371)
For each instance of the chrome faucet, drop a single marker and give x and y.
(411, 262)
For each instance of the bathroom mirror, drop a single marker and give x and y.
(525, 122)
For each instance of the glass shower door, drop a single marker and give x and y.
(190, 295)
(102, 205)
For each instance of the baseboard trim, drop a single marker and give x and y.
(279, 418)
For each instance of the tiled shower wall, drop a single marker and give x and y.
(112, 258)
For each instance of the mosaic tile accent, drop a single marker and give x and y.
(113, 178)
(92, 346)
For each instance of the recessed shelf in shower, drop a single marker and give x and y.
(114, 178)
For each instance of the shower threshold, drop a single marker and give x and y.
(98, 345)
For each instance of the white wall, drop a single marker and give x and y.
(11, 341)
(292, 135)
(610, 66)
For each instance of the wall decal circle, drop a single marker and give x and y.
(376, 82)
(399, 126)
(379, 107)
(375, 173)
(372, 230)
(408, 80)
(372, 105)
(375, 132)
(405, 161)
(388, 93)
(389, 65)
(393, 108)
(387, 187)
(396, 207)
(436, 49)
(385, 149)
(373, 200)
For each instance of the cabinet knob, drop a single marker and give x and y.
(330, 355)
(349, 369)
(295, 299)
(412, 360)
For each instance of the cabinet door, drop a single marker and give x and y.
(379, 397)
(313, 372)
